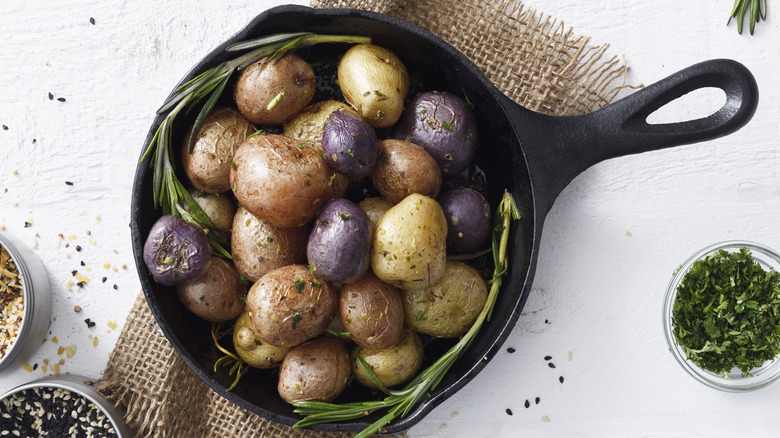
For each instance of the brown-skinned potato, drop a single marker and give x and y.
(259, 247)
(208, 166)
(216, 295)
(280, 180)
(269, 92)
(404, 168)
(317, 370)
(289, 306)
(371, 311)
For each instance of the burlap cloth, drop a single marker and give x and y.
(534, 59)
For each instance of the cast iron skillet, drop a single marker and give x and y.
(532, 155)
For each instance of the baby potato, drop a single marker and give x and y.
(404, 168)
(308, 125)
(409, 247)
(317, 370)
(371, 311)
(289, 306)
(375, 82)
(468, 219)
(269, 92)
(375, 208)
(217, 206)
(208, 166)
(448, 308)
(339, 242)
(253, 350)
(349, 144)
(280, 180)
(394, 365)
(216, 295)
(259, 247)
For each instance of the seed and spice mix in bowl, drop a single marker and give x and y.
(59, 406)
(25, 301)
(722, 316)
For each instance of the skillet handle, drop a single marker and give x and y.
(563, 147)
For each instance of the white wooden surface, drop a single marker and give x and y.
(609, 247)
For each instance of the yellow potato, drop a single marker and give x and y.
(253, 350)
(393, 365)
(409, 246)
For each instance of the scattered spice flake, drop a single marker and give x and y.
(15, 172)
(560, 379)
(570, 356)
(51, 96)
(78, 248)
(547, 357)
(111, 324)
(69, 183)
(77, 308)
(89, 323)
(97, 219)
(69, 284)
(537, 400)
(81, 278)
(5, 128)
(508, 411)
(545, 418)
(106, 265)
(92, 20)
(56, 369)
(28, 367)
(104, 279)
(527, 404)
(124, 266)
(61, 99)
(510, 350)
(95, 341)
(115, 287)
(551, 365)
(54, 339)
(70, 350)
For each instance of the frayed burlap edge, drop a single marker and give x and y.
(532, 58)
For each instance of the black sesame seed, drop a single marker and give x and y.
(70, 183)
(560, 379)
(61, 99)
(27, 224)
(5, 128)
(547, 357)
(78, 247)
(104, 279)
(551, 365)
(510, 350)
(537, 400)
(80, 284)
(508, 411)
(82, 263)
(91, 20)
(35, 366)
(74, 272)
(527, 404)
(51, 96)
(116, 287)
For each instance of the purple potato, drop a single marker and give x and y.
(176, 251)
(339, 243)
(349, 144)
(445, 126)
(468, 219)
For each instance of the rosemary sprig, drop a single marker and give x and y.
(168, 192)
(400, 402)
(756, 9)
(236, 364)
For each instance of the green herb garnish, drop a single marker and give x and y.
(400, 402)
(299, 285)
(756, 8)
(234, 362)
(345, 216)
(726, 313)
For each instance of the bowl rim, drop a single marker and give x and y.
(764, 375)
(28, 300)
(77, 384)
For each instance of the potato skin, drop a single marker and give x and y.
(375, 82)
(259, 247)
(339, 242)
(253, 350)
(371, 311)
(317, 370)
(349, 144)
(448, 308)
(468, 219)
(216, 295)
(444, 125)
(404, 168)
(289, 306)
(409, 248)
(308, 125)
(217, 206)
(394, 365)
(375, 208)
(261, 83)
(280, 180)
(208, 166)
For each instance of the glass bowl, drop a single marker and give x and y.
(735, 381)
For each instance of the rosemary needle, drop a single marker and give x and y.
(756, 10)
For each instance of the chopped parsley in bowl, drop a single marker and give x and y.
(722, 316)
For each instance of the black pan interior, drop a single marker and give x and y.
(435, 66)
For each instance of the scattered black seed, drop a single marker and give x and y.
(78, 247)
(116, 287)
(80, 284)
(35, 366)
(34, 141)
(551, 365)
(104, 279)
(508, 411)
(70, 183)
(527, 404)
(560, 379)
(537, 400)
(27, 224)
(89, 322)
(510, 350)
(82, 263)
(5, 128)
(74, 272)
(546, 321)
(547, 357)
(61, 99)
(55, 411)
(51, 96)
(92, 20)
